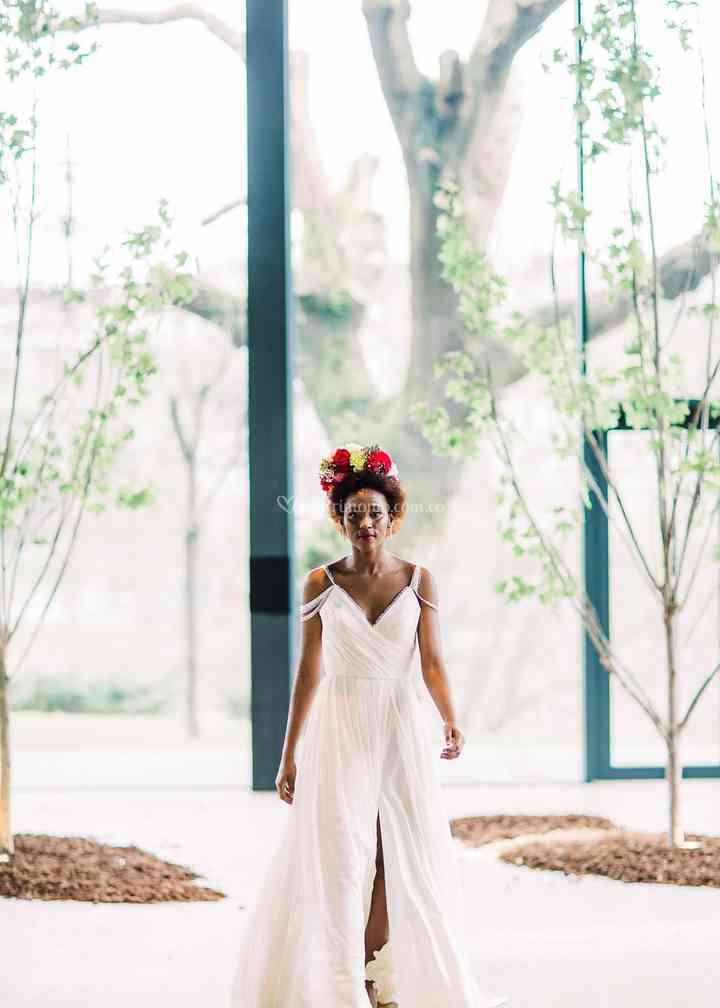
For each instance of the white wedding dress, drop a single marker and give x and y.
(365, 750)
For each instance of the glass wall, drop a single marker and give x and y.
(680, 187)
(377, 117)
(373, 316)
(145, 643)
(636, 617)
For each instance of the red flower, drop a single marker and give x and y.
(339, 477)
(326, 483)
(341, 459)
(379, 462)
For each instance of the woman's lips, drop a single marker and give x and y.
(366, 535)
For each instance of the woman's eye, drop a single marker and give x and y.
(355, 516)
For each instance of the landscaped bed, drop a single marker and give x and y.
(592, 845)
(478, 830)
(629, 857)
(73, 868)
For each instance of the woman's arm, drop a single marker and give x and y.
(433, 666)
(305, 683)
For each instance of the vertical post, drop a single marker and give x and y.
(597, 588)
(270, 358)
(596, 690)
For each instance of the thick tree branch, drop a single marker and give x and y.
(176, 12)
(506, 29)
(224, 308)
(679, 272)
(681, 269)
(394, 58)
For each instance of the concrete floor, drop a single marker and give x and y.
(542, 939)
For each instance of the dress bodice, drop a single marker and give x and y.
(353, 646)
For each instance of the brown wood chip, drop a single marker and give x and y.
(479, 830)
(627, 856)
(74, 868)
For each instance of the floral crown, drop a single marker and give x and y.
(354, 458)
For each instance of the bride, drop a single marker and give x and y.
(361, 902)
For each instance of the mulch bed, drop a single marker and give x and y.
(626, 856)
(73, 868)
(479, 830)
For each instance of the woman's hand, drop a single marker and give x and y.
(285, 780)
(454, 741)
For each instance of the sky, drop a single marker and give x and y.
(158, 112)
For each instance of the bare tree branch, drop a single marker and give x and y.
(177, 12)
(681, 269)
(506, 29)
(695, 700)
(581, 603)
(233, 205)
(187, 451)
(234, 460)
(699, 558)
(91, 437)
(396, 66)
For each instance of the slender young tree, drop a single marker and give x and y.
(58, 449)
(190, 437)
(621, 84)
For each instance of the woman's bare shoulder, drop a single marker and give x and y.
(316, 581)
(427, 586)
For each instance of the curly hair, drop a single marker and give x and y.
(391, 488)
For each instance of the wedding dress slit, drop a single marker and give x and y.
(366, 753)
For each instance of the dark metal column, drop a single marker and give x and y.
(270, 359)
(596, 689)
(597, 587)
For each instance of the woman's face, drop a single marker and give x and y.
(366, 518)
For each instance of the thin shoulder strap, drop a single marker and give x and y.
(308, 609)
(415, 583)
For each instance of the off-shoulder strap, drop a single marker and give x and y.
(308, 609)
(414, 585)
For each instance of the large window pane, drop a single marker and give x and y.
(145, 645)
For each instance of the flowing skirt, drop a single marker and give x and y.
(366, 751)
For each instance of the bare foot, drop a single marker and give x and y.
(371, 992)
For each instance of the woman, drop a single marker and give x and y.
(361, 901)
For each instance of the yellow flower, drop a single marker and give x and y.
(357, 459)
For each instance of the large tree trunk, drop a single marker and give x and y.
(435, 322)
(436, 325)
(6, 839)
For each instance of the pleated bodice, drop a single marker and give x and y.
(353, 646)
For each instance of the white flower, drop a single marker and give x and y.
(381, 970)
